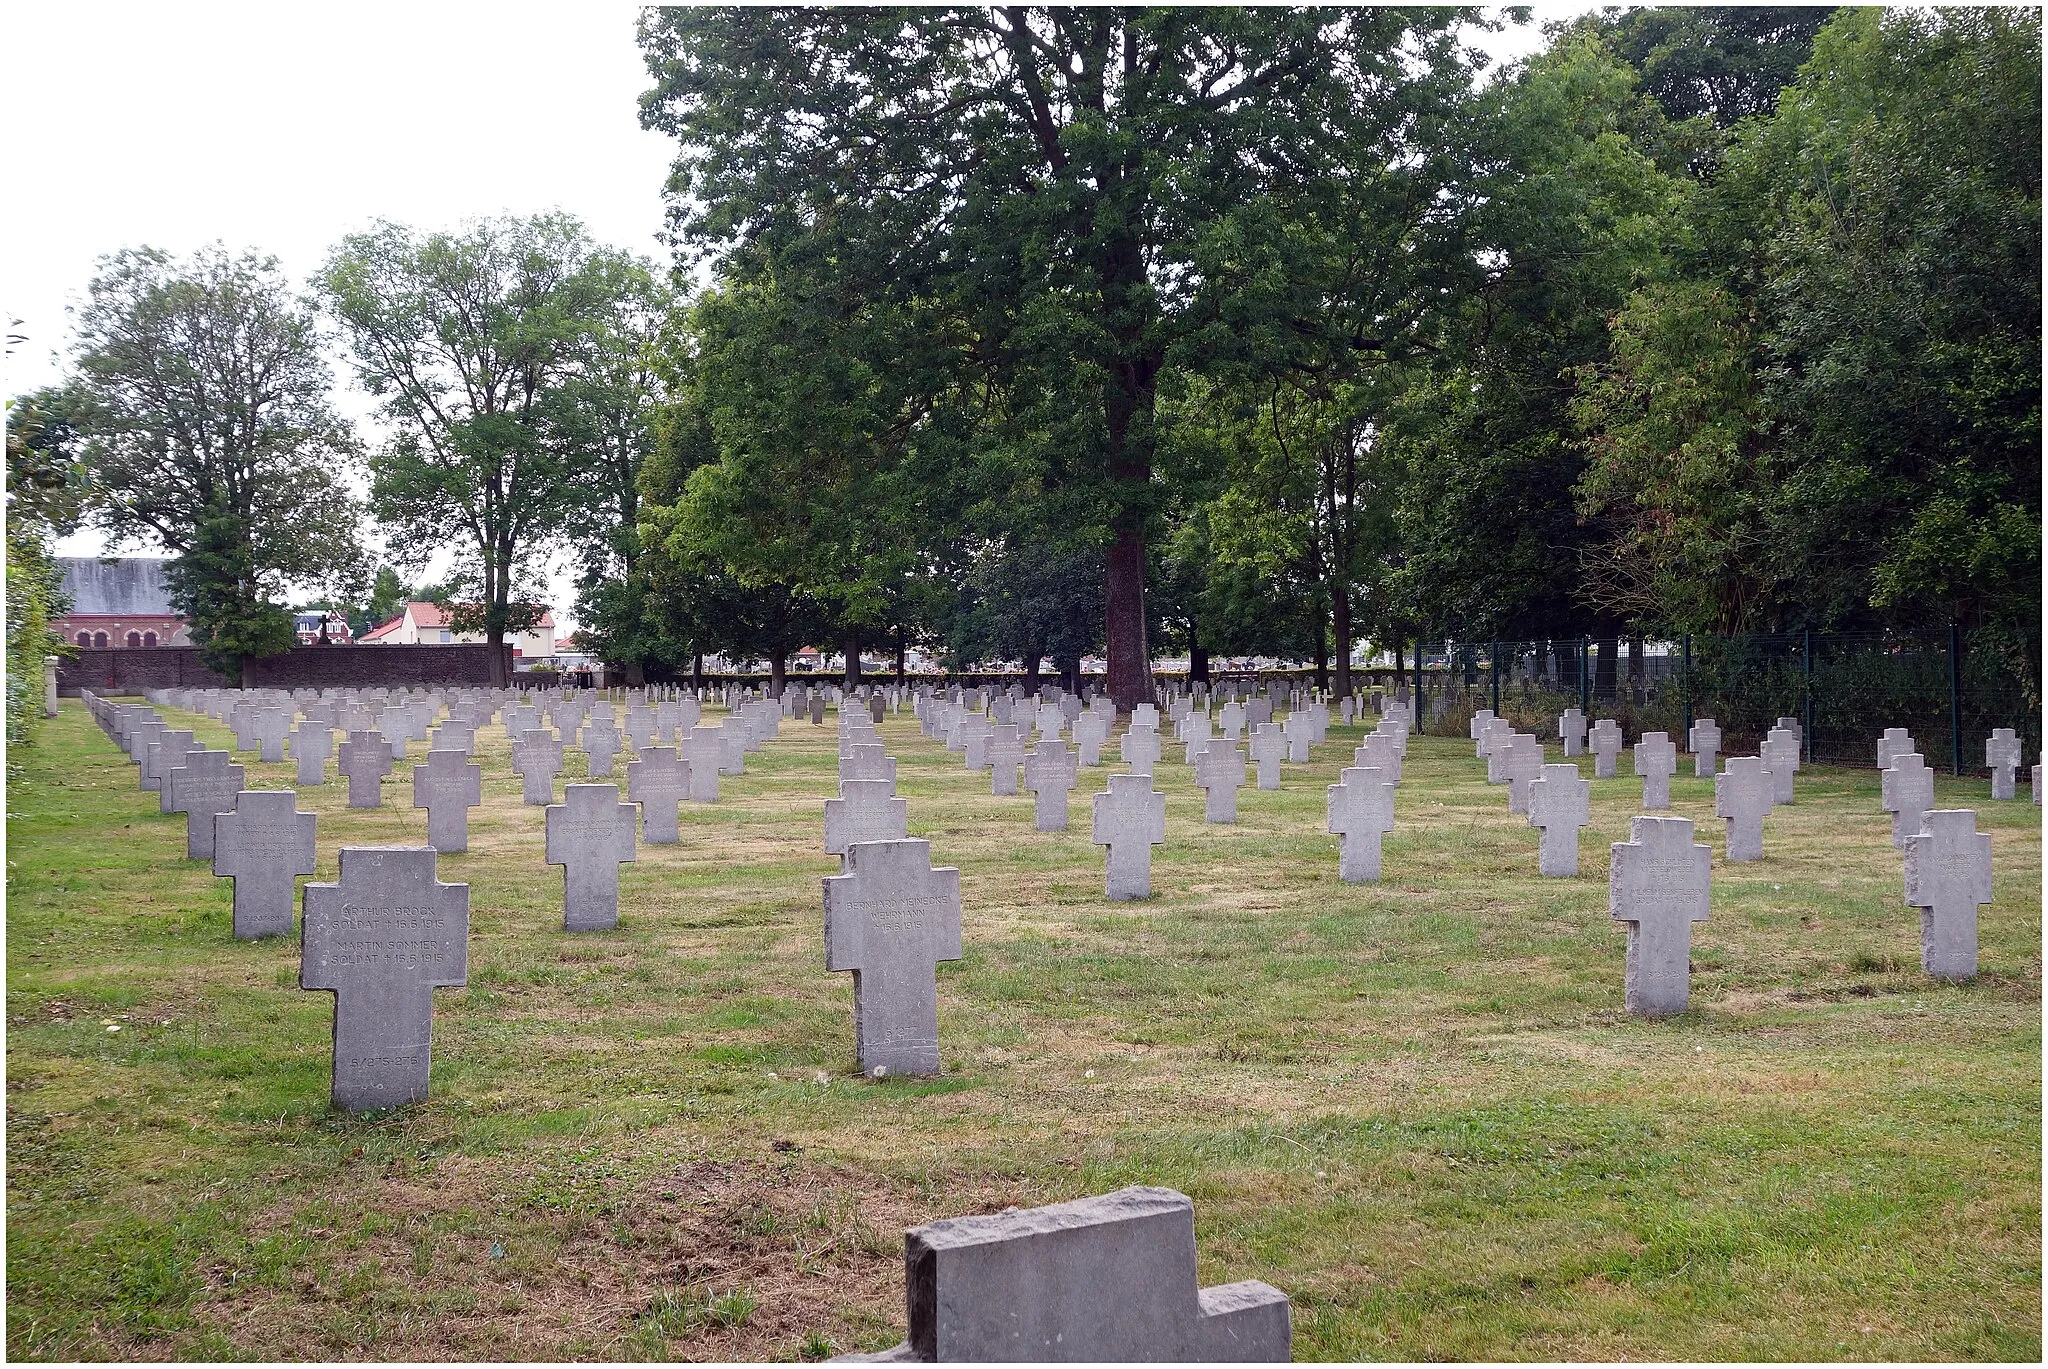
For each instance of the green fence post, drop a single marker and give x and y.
(1495, 664)
(1685, 683)
(1955, 698)
(1806, 693)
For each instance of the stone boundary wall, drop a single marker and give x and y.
(130, 670)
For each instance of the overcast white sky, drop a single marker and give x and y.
(283, 127)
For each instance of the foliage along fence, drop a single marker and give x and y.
(1949, 689)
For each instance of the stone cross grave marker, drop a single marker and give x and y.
(1141, 748)
(1659, 883)
(168, 751)
(2002, 758)
(639, 728)
(704, 750)
(817, 710)
(312, 743)
(1896, 741)
(600, 745)
(537, 756)
(1195, 736)
(365, 758)
(1300, 732)
(206, 784)
(1105, 1279)
(866, 810)
(1704, 740)
(1220, 772)
(1005, 758)
(1130, 819)
(868, 761)
(1481, 720)
(1381, 751)
(1559, 805)
(1606, 742)
(1268, 749)
(142, 735)
(448, 786)
(1091, 730)
(1360, 811)
(1145, 715)
(1656, 761)
(242, 718)
(1742, 795)
(590, 834)
(1493, 742)
(1907, 791)
(395, 726)
(1571, 730)
(1521, 761)
(1348, 710)
(261, 844)
(270, 727)
(1780, 755)
(890, 918)
(1050, 774)
(1230, 721)
(659, 781)
(381, 939)
(1948, 873)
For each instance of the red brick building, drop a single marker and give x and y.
(118, 602)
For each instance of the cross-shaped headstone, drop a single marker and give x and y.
(1195, 736)
(270, 727)
(1656, 762)
(1481, 720)
(1130, 819)
(1109, 1279)
(1521, 761)
(1091, 730)
(206, 784)
(1907, 791)
(1360, 812)
(1571, 730)
(817, 709)
(1896, 741)
(1659, 883)
(1559, 805)
(1606, 741)
(1381, 751)
(1348, 709)
(1230, 720)
(1268, 748)
(143, 734)
(395, 726)
(1948, 873)
(1145, 715)
(659, 781)
(448, 786)
(600, 744)
(365, 757)
(1704, 740)
(704, 751)
(1220, 772)
(590, 833)
(1005, 758)
(312, 742)
(890, 918)
(1742, 795)
(1050, 773)
(866, 810)
(2002, 758)
(868, 761)
(537, 756)
(261, 844)
(639, 728)
(163, 755)
(1141, 747)
(243, 721)
(381, 939)
(1779, 752)
(1493, 745)
(1300, 731)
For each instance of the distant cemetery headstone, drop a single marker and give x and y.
(1091, 730)
(2002, 758)
(261, 844)
(1571, 730)
(365, 758)
(1780, 754)
(1129, 819)
(1704, 739)
(1659, 885)
(205, 785)
(704, 750)
(1907, 791)
(381, 939)
(1948, 874)
(537, 756)
(1896, 741)
(1005, 758)
(868, 761)
(1050, 775)
(1268, 750)
(1656, 762)
(600, 745)
(1559, 805)
(1742, 795)
(1107, 1279)
(1220, 773)
(1521, 761)
(889, 919)
(1360, 811)
(448, 786)
(312, 742)
(1606, 741)
(866, 810)
(590, 834)
(1141, 748)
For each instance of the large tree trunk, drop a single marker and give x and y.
(900, 652)
(501, 661)
(778, 671)
(850, 644)
(636, 674)
(697, 670)
(1031, 660)
(1198, 660)
(1130, 658)
(1322, 656)
(1340, 628)
(1603, 670)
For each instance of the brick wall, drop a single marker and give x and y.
(130, 670)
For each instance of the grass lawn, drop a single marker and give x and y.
(1416, 1106)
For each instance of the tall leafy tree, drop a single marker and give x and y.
(1048, 172)
(202, 402)
(472, 340)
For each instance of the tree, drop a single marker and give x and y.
(1044, 171)
(44, 498)
(228, 610)
(472, 341)
(202, 403)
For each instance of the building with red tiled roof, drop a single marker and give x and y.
(423, 622)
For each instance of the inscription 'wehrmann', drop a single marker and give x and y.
(381, 940)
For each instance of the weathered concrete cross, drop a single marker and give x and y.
(1219, 772)
(866, 810)
(2002, 758)
(1606, 741)
(448, 786)
(704, 750)
(167, 751)
(1571, 730)
(590, 833)
(1140, 747)
(537, 756)
(365, 757)
(1948, 873)
(1656, 762)
(1659, 883)
(312, 743)
(1559, 804)
(381, 939)
(1779, 752)
(1704, 739)
(1742, 795)
(261, 845)
(890, 918)
(659, 781)
(1091, 730)
(1005, 758)
(1130, 819)
(1896, 741)
(600, 745)
(1360, 811)
(1521, 761)
(206, 784)
(1050, 773)
(868, 761)
(1907, 791)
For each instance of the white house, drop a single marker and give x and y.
(422, 623)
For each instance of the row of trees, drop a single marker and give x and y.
(1025, 332)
